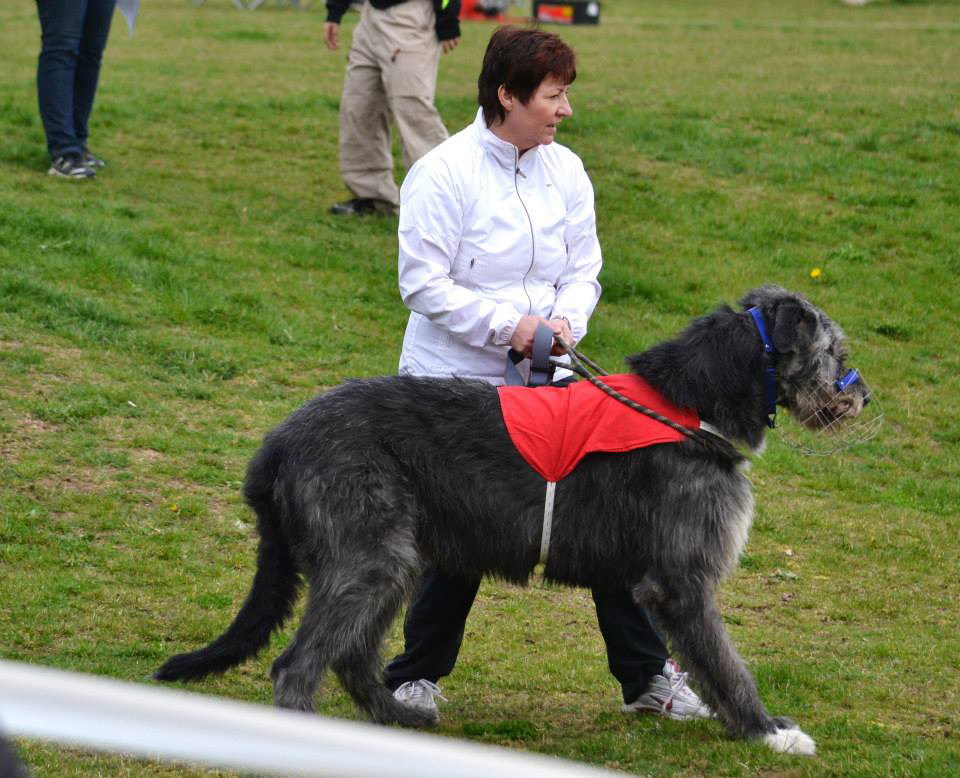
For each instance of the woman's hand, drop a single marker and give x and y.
(522, 339)
(526, 330)
(331, 35)
(561, 328)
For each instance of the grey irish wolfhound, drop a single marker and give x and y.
(366, 484)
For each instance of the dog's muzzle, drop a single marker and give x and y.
(834, 418)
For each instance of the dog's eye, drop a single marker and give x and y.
(839, 352)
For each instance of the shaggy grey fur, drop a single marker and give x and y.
(362, 486)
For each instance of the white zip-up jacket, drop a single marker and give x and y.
(486, 236)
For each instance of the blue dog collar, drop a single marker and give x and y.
(770, 357)
(762, 329)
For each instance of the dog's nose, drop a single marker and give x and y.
(866, 398)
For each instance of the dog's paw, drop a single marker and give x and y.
(417, 718)
(791, 741)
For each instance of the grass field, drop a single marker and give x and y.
(154, 323)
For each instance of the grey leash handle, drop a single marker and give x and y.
(541, 368)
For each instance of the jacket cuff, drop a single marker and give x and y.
(503, 330)
(448, 19)
(336, 10)
(447, 28)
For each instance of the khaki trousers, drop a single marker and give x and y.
(391, 72)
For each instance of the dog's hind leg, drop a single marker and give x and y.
(688, 613)
(359, 665)
(298, 670)
(346, 617)
(362, 677)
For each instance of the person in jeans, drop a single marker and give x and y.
(391, 73)
(498, 234)
(73, 36)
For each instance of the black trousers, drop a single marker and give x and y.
(433, 633)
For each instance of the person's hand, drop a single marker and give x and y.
(331, 35)
(522, 338)
(561, 328)
(449, 45)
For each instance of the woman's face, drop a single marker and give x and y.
(526, 126)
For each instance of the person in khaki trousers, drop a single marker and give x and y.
(391, 73)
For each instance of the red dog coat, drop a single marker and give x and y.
(554, 428)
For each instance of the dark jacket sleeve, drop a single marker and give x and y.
(448, 18)
(336, 9)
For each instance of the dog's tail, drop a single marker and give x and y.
(272, 595)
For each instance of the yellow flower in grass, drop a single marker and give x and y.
(815, 274)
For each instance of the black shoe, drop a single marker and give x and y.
(363, 206)
(92, 160)
(71, 166)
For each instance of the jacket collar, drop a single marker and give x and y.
(503, 152)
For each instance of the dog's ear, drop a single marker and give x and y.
(793, 325)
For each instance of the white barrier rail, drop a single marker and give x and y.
(172, 725)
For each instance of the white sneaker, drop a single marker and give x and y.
(668, 695)
(420, 694)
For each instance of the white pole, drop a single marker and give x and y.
(157, 723)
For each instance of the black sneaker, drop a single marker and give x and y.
(363, 206)
(71, 166)
(92, 160)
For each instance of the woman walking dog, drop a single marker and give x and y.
(497, 235)
(362, 486)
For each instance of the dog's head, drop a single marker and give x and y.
(813, 380)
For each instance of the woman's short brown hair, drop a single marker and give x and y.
(520, 58)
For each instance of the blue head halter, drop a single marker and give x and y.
(770, 360)
(850, 378)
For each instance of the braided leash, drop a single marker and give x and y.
(712, 443)
(709, 441)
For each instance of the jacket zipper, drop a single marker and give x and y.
(533, 245)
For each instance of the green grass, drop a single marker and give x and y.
(156, 322)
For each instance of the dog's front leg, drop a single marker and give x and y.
(689, 615)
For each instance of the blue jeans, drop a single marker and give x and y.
(74, 35)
